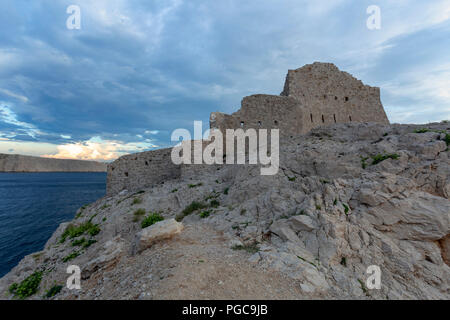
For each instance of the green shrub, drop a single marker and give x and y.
(76, 231)
(28, 286)
(83, 242)
(346, 208)
(205, 214)
(194, 206)
(447, 139)
(174, 190)
(381, 157)
(13, 288)
(137, 201)
(291, 178)
(71, 256)
(195, 185)
(151, 219)
(423, 130)
(363, 162)
(226, 191)
(214, 203)
(88, 243)
(78, 242)
(53, 291)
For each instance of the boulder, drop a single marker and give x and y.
(162, 230)
(282, 229)
(301, 223)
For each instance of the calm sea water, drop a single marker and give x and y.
(32, 205)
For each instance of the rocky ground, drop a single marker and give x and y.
(346, 197)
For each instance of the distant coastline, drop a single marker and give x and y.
(15, 163)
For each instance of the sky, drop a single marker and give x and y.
(136, 70)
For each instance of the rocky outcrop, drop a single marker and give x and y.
(346, 197)
(19, 163)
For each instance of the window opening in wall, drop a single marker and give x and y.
(350, 117)
(259, 123)
(323, 119)
(242, 124)
(276, 122)
(334, 116)
(335, 98)
(346, 98)
(311, 118)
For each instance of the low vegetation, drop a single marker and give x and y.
(381, 157)
(195, 185)
(250, 247)
(423, 130)
(136, 201)
(53, 291)
(83, 243)
(205, 214)
(71, 256)
(138, 214)
(27, 287)
(214, 203)
(346, 208)
(194, 206)
(311, 263)
(73, 231)
(151, 219)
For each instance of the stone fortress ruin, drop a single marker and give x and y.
(315, 95)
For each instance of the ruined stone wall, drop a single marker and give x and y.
(314, 95)
(328, 96)
(263, 111)
(140, 170)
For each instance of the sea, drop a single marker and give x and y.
(32, 205)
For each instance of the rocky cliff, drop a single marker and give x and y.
(346, 197)
(19, 163)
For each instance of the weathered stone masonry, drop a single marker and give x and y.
(314, 95)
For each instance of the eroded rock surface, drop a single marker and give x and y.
(310, 231)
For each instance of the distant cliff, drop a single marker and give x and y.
(19, 163)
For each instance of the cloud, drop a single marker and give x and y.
(9, 117)
(98, 149)
(14, 95)
(140, 69)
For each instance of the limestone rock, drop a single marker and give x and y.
(301, 223)
(162, 230)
